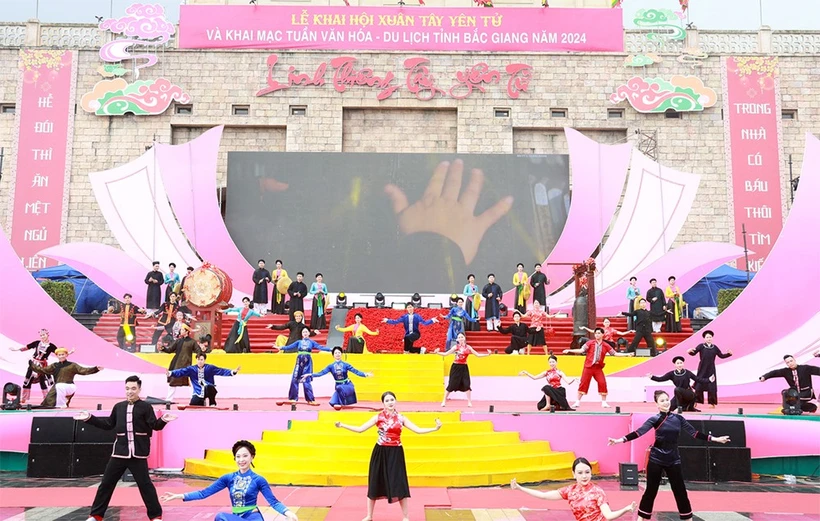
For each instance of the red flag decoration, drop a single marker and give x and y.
(684, 4)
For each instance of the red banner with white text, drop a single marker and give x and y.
(753, 145)
(45, 114)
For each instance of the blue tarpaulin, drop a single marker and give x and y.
(704, 293)
(89, 296)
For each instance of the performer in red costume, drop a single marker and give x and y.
(554, 394)
(387, 478)
(459, 372)
(595, 351)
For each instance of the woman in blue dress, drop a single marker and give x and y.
(345, 392)
(457, 317)
(303, 367)
(244, 487)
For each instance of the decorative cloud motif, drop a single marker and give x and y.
(680, 93)
(641, 60)
(144, 21)
(144, 97)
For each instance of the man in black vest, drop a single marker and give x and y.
(133, 420)
(799, 378)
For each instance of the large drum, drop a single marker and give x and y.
(208, 286)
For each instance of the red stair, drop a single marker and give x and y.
(561, 336)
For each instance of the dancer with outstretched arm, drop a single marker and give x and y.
(586, 500)
(554, 394)
(244, 487)
(664, 455)
(304, 366)
(459, 371)
(387, 478)
(345, 393)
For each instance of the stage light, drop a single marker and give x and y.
(341, 300)
(128, 334)
(453, 299)
(502, 310)
(791, 402)
(660, 342)
(492, 408)
(379, 300)
(11, 396)
(416, 300)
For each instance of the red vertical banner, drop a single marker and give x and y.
(45, 119)
(753, 149)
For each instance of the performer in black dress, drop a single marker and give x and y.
(297, 291)
(706, 368)
(554, 394)
(154, 280)
(684, 397)
(134, 421)
(539, 283)
(519, 332)
(459, 371)
(387, 478)
(664, 455)
(261, 279)
(799, 378)
(657, 305)
(43, 348)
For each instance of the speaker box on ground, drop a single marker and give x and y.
(628, 473)
(90, 459)
(735, 429)
(49, 460)
(52, 429)
(730, 464)
(86, 433)
(695, 463)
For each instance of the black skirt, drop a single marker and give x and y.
(459, 378)
(558, 398)
(537, 338)
(388, 474)
(244, 344)
(355, 345)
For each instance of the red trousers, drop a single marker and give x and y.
(596, 372)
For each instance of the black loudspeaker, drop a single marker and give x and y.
(730, 464)
(695, 463)
(628, 473)
(86, 433)
(735, 429)
(90, 459)
(54, 429)
(49, 460)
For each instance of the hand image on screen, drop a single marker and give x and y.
(440, 210)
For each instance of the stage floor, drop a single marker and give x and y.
(589, 405)
(66, 500)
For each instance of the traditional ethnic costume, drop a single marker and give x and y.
(684, 396)
(63, 389)
(411, 330)
(40, 357)
(294, 329)
(594, 366)
(674, 303)
(202, 378)
(356, 343)
(134, 423)
(304, 366)
(167, 318)
(643, 330)
(278, 302)
(492, 311)
(261, 278)
(387, 478)
(522, 291)
(183, 349)
(539, 282)
(459, 371)
(553, 389)
(172, 282)
(244, 490)
(153, 296)
(457, 316)
(664, 457)
(472, 303)
(238, 340)
(520, 335)
(632, 292)
(128, 327)
(799, 379)
(706, 368)
(538, 319)
(318, 315)
(656, 307)
(585, 501)
(297, 292)
(345, 393)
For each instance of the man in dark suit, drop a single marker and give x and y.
(133, 420)
(411, 323)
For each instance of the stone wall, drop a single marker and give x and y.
(355, 121)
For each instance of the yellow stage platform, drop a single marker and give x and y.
(496, 365)
(461, 454)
